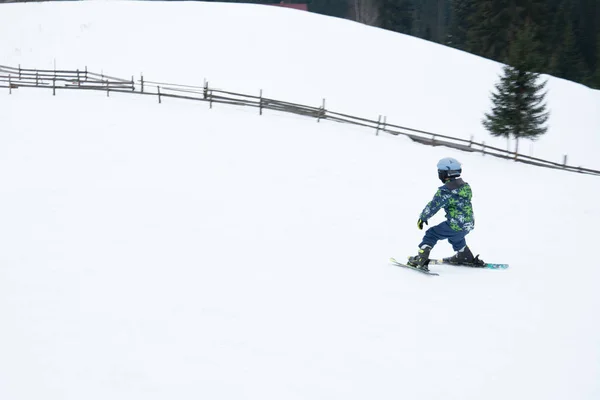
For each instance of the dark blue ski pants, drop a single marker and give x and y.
(443, 231)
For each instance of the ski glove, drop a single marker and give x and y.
(420, 224)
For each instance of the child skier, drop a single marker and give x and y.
(455, 197)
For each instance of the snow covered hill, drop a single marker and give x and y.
(295, 56)
(158, 251)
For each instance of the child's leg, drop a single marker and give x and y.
(438, 232)
(458, 241)
(463, 255)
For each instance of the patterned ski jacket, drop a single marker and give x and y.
(455, 197)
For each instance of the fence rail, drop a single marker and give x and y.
(14, 78)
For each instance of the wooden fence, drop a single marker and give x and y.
(14, 78)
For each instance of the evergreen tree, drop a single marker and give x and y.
(334, 8)
(555, 27)
(397, 15)
(587, 30)
(572, 66)
(596, 76)
(525, 52)
(460, 16)
(488, 34)
(566, 61)
(518, 102)
(494, 24)
(554, 36)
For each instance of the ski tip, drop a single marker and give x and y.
(394, 261)
(496, 266)
(399, 264)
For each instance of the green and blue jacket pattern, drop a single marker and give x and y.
(455, 198)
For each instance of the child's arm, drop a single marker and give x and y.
(440, 199)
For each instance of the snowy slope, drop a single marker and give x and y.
(171, 251)
(159, 251)
(295, 56)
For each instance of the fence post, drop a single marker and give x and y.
(142, 82)
(36, 78)
(321, 112)
(19, 71)
(319, 115)
(9, 85)
(433, 140)
(107, 89)
(86, 73)
(483, 148)
(565, 161)
(260, 103)
(471, 142)
(384, 123)
(159, 97)
(132, 84)
(205, 91)
(210, 99)
(378, 122)
(53, 86)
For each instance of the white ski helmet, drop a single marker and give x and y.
(448, 168)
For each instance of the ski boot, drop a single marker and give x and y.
(421, 260)
(465, 257)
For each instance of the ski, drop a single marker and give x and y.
(485, 265)
(393, 261)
